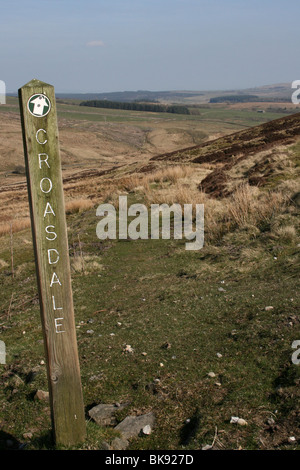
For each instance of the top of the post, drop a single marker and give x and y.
(34, 83)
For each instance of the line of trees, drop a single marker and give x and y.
(134, 106)
(247, 99)
(234, 99)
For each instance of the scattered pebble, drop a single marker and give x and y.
(207, 447)
(41, 395)
(128, 349)
(269, 307)
(219, 355)
(237, 420)
(242, 422)
(147, 430)
(292, 439)
(211, 375)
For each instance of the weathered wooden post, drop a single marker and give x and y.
(47, 210)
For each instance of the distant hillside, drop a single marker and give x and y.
(276, 92)
(129, 96)
(257, 155)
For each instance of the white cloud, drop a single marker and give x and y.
(95, 44)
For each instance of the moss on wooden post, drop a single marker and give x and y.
(47, 209)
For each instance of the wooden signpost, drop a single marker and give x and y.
(47, 210)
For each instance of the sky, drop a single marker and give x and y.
(118, 45)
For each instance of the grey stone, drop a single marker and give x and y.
(119, 443)
(105, 446)
(104, 415)
(131, 426)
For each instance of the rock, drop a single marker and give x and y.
(147, 430)
(237, 420)
(104, 415)
(119, 443)
(220, 289)
(292, 439)
(211, 375)
(131, 426)
(90, 332)
(219, 355)
(41, 395)
(234, 419)
(269, 307)
(105, 446)
(242, 422)
(128, 349)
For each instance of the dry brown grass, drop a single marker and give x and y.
(247, 206)
(78, 205)
(15, 225)
(171, 174)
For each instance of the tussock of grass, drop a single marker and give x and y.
(78, 205)
(86, 264)
(247, 206)
(15, 225)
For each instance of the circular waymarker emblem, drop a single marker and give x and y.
(39, 105)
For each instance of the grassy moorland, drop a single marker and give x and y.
(210, 331)
(230, 308)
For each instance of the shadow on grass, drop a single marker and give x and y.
(9, 442)
(190, 429)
